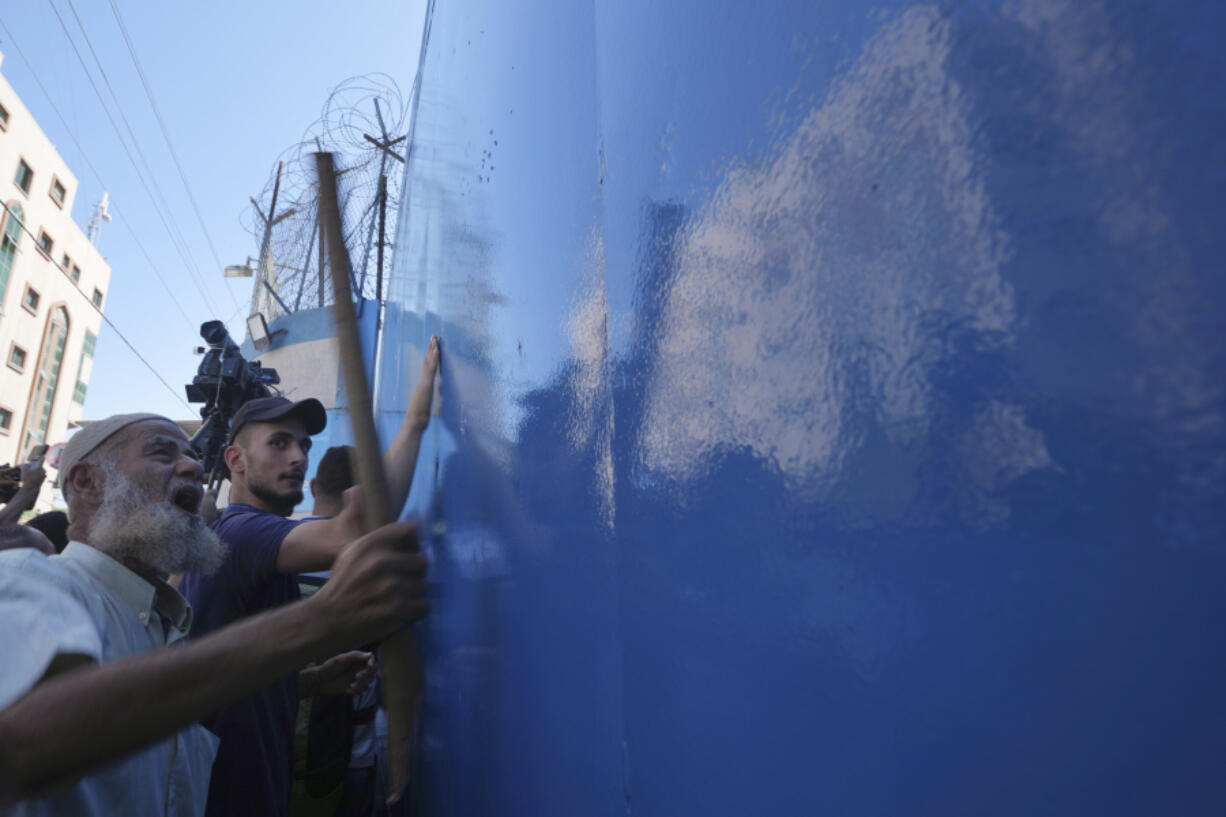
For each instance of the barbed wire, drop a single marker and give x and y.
(364, 106)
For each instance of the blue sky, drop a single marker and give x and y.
(236, 83)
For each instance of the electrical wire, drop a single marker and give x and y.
(102, 314)
(123, 30)
(94, 170)
(115, 210)
(158, 199)
(182, 242)
(163, 215)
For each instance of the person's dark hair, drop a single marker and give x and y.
(334, 476)
(54, 525)
(243, 438)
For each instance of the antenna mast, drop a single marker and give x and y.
(100, 214)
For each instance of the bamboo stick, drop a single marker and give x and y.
(400, 659)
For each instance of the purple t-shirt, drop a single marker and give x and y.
(253, 773)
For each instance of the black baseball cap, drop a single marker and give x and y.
(267, 409)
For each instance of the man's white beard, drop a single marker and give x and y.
(131, 525)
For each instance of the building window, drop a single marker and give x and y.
(8, 247)
(4, 118)
(45, 243)
(6, 420)
(31, 299)
(76, 274)
(83, 368)
(97, 298)
(17, 358)
(58, 192)
(65, 262)
(46, 378)
(25, 176)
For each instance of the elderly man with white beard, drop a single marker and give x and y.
(94, 718)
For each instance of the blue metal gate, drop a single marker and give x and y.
(832, 411)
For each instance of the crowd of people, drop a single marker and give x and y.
(155, 659)
(48, 531)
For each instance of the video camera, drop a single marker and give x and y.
(223, 382)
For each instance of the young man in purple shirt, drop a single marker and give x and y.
(270, 440)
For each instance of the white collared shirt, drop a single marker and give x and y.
(84, 602)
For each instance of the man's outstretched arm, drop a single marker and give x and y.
(32, 476)
(90, 715)
(314, 544)
(400, 459)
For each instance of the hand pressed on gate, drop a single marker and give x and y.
(423, 393)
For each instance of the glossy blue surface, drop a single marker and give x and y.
(832, 411)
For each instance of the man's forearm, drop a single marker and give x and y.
(315, 544)
(400, 460)
(308, 683)
(10, 513)
(21, 502)
(70, 723)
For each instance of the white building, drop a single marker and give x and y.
(53, 286)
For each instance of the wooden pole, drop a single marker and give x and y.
(401, 666)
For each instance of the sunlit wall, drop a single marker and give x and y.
(832, 414)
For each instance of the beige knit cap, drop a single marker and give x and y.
(83, 443)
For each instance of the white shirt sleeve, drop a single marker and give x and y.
(42, 617)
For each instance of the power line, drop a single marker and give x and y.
(165, 217)
(94, 170)
(158, 200)
(131, 132)
(97, 176)
(102, 314)
(123, 29)
(139, 357)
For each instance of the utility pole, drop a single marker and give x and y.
(264, 277)
(385, 145)
(382, 238)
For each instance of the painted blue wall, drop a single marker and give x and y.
(832, 410)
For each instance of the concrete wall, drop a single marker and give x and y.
(832, 409)
(304, 352)
(22, 139)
